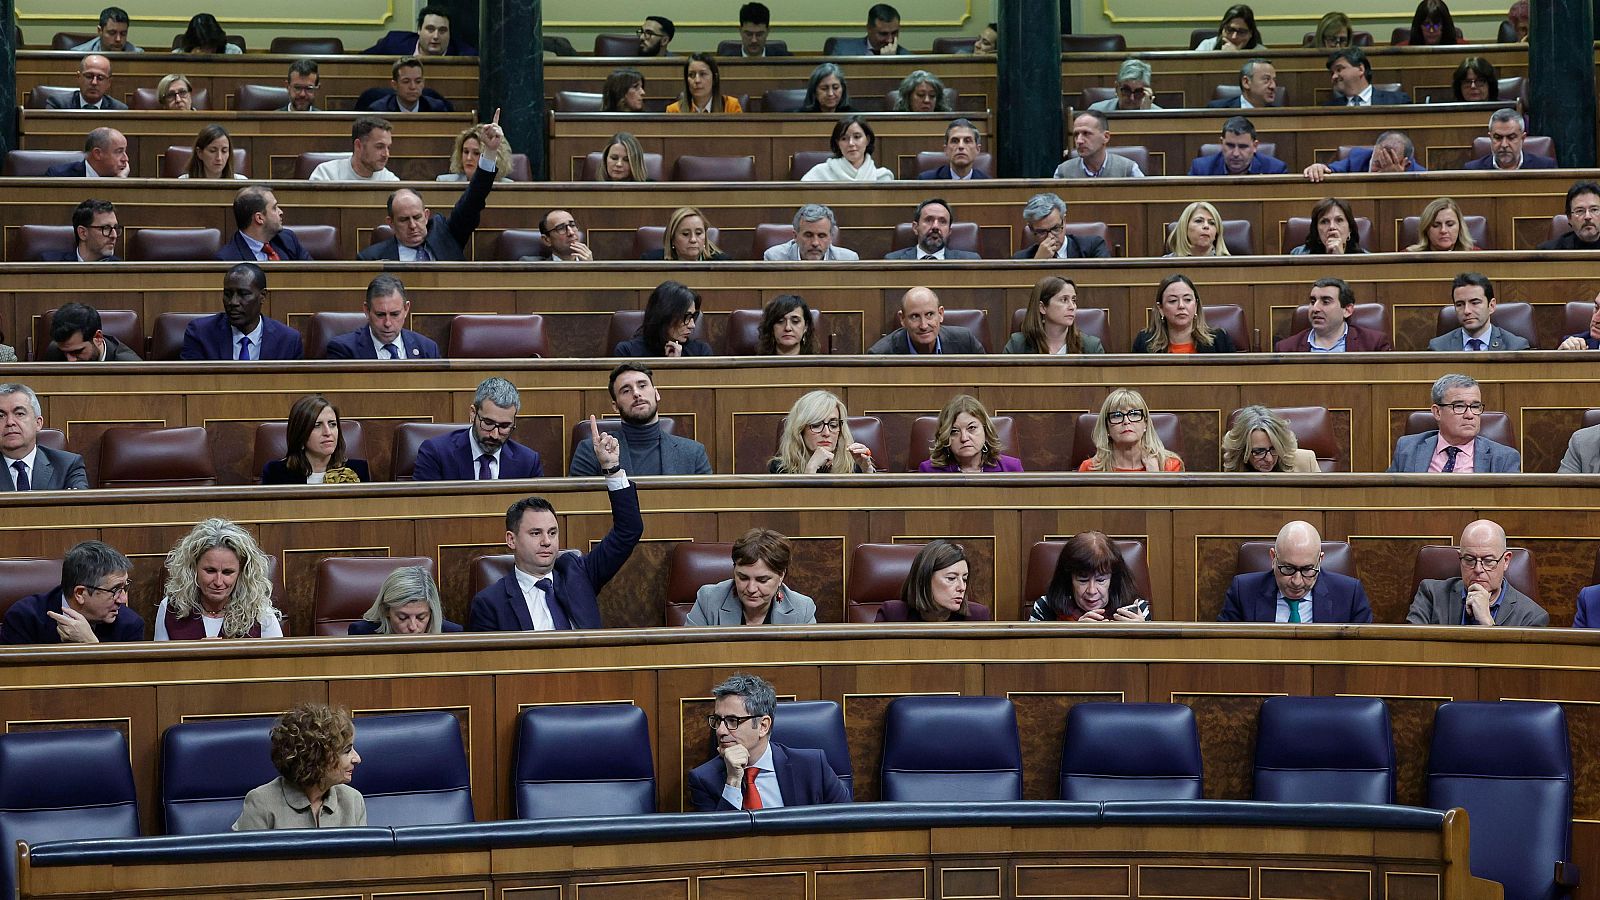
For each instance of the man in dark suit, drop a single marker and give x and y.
(1472, 294)
(1507, 130)
(1351, 73)
(484, 450)
(931, 226)
(1296, 589)
(962, 144)
(90, 606)
(750, 770)
(94, 88)
(432, 37)
(883, 35)
(551, 590)
(645, 447)
(303, 82)
(1045, 218)
(1392, 152)
(240, 331)
(76, 336)
(422, 236)
(28, 466)
(755, 24)
(385, 335)
(922, 329)
(1583, 215)
(261, 235)
(1238, 155)
(408, 91)
(95, 229)
(1258, 87)
(1455, 446)
(1481, 595)
(1331, 304)
(105, 151)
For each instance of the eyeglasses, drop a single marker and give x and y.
(492, 425)
(1240, 32)
(1132, 415)
(1262, 452)
(565, 226)
(303, 88)
(1586, 211)
(825, 425)
(116, 590)
(647, 33)
(1432, 26)
(1042, 233)
(94, 77)
(1461, 409)
(1486, 563)
(1473, 81)
(1289, 571)
(105, 230)
(178, 92)
(732, 723)
(1342, 40)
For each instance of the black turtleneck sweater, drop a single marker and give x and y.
(644, 447)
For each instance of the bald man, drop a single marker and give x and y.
(922, 329)
(421, 235)
(1481, 595)
(1296, 590)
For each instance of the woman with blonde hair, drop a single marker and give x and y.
(217, 586)
(1333, 32)
(1124, 440)
(1198, 232)
(622, 160)
(1050, 323)
(408, 603)
(815, 429)
(1180, 323)
(1443, 228)
(465, 153)
(175, 93)
(965, 441)
(687, 238)
(1262, 442)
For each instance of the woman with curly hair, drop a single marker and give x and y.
(314, 751)
(217, 586)
(1262, 442)
(922, 92)
(786, 328)
(316, 448)
(965, 441)
(827, 91)
(466, 152)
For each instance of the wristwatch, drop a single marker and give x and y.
(613, 470)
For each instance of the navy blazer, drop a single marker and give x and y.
(362, 626)
(404, 43)
(634, 348)
(579, 576)
(1379, 98)
(804, 779)
(446, 238)
(26, 622)
(1529, 161)
(449, 458)
(1253, 597)
(79, 169)
(358, 345)
(1078, 246)
(211, 338)
(1260, 164)
(390, 103)
(71, 255)
(277, 472)
(287, 245)
(1360, 160)
(943, 173)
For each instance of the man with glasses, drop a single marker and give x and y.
(1480, 595)
(1045, 219)
(28, 466)
(105, 155)
(563, 238)
(646, 448)
(303, 81)
(1296, 590)
(1091, 136)
(94, 88)
(1507, 130)
(922, 329)
(654, 36)
(1583, 214)
(1456, 445)
(94, 225)
(1472, 295)
(750, 770)
(483, 451)
(90, 606)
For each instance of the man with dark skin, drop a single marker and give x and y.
(240, 331)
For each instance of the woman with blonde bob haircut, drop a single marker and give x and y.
(813, 431)
(1443, 228)
(965, 441)
(1124, 440)
(314, 751)
(1050, 323)
(687, 238)
(408, 603)
(1261, 442)
(217, 586)
(466, 151)
(1198, 232)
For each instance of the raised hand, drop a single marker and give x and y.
(492, 135)
(606, 451)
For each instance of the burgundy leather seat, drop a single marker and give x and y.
(30, 242)
(616, 45)
(34, 163)
(408, 436)
(513, 244)
(784, 100)
(261, 98)
(307, 46)
(1093, 43)
(769, 235)
(306, 163)
(804, 161)
(321, 241)
(348, 585)
(691, 566)
(877, 573)
(1577, 316)
(24, 576)
(499, 336)
(174, 244)
(579, 101)
(166, 335)
(714, 168)
(323, 327)
(487, 569)
(155, 457)
(1229, 317)
(42, 93)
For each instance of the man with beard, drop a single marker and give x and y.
(931, 226)
(646, 449)
(483, 451)
(240, 331)
(1583, 214)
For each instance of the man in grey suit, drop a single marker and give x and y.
(931, 225)
(756, 594)
(1473, 296)
(1481, 595)
(922, 329)
(1455, 446)
(814, 232)
(1583, 452)
(28, 466)
(646, 448)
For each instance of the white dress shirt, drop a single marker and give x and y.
(538, 603)
(254, 336)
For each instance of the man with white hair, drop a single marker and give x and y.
(1481, 595)
(1507, 130)
(28, 466)
(814, 232)
(1296, 590)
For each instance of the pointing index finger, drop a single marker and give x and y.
(497, 115)
(594, 431)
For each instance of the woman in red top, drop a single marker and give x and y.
(1180, 325)
(1092, 583)
(1124, 440)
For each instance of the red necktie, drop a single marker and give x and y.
(271, 253)
(752, 797)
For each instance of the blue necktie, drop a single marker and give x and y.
(1474, 344)
(1450, 454)
(483, 468)
(389, 349)
(423, 255)
(557, 617)
(244, 349)
(22, 476)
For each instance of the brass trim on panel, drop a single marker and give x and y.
(1438, 879)
(1016, 881)
(1250, 877)
(994, 587)
(482, 892)
(918, 869)
(944, 891)
(577, 889)
(1260, 870)
(508, 891)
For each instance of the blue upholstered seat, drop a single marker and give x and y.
(208, 767)
(61, 785)
(1130, 751)
(951, 749)
(583, 760)
(1324, 750)
(413, 770)
(815, 725)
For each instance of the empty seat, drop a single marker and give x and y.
(1165, 424)
(691, 566)
(951, 750)
(320, 241)
(166, 335)
(962, 236)
(815, 725)
(413, 770)
(155, 457)
(261, 97)
(1094, 43)
(922, 437)
(63, 785)
(1296, 228)
(306, 163)
(1576, 317)
(199, 794)
(29, 243)
(714, 168)
(1411, 228)
(175, 162)
(1509, 765)
(1230, 317)
(559, 769)
(804, 161)
(1312, 427)
(323, 327)
(487, 569)
(408, 436)
(877, 572)
(498, 336)
(1436, 562)
(66, 40)
(347, 585)
(1044, 555)
(616, 45)
(769, 235)
(174, 244)
(513, 244)
(145, 99)
(34, 163)
(307, 46)
(122, 324)
(653, 169)
(24, 576)
(928, 160)
(1324, 750)
(1131, 751)
(783, 100)
(1513, 316)
(272, 442)
(942, 45)
(579, 101)
(1492, 424)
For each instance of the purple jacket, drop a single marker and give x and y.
(1006, 464)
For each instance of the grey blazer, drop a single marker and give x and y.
(715, 604)
(1413, 452)
(950, 254)
(53, 470)
(1583, 452)
(952, 339)
(1439, 602)
(1499, 339)
(679, 456)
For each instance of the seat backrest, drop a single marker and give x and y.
(579, 101)
(1436, 562)
(877, 573)
(769, 235)
(804, 161)
(1509, 765)
(1140, 155)
(307, 46)
(1324, 750)
(323, 327)
(487, 569)
(784, 100)
(714, 168)
(1229, 317)
(174, 244)
(408, 437)
(166, 335)
(272, 442)
(973, 320)
(306, 163)
(1477, 226)
(201, 796)
(24, 576)
(1200, 34)
(815, 725)
(922, 434)
(1514, 316)
(1578, 314)
(1131, 751)
(122, 324)
(1492, 424)
(320, 241)
(1045, 555)
(1093, 43)
(175, 161)
(513, 244)
(616, 45)
(260, 97)
(653, 168)
(1372, 316)
(66, 40)
(413, 770)
(1165, 424)
(348, 585)
(962, 236)
(624, 326)
(145, 99)
(1296, 228)
(691, 566)
(34, 163)
(559, 770)
(155, 457)
(43, 93)
(652, 237)
(613, 426)
(953, 45)
(951, 750)
(1254, 556)
(30, 242)
(498, 336)
(1511, 92)
(928, 160)
(38, 804)
(1312, 427)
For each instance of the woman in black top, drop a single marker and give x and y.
(316, 448)
(669, 319)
